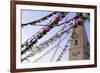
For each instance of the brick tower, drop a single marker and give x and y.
(79, 48)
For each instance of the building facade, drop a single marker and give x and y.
(79, 48)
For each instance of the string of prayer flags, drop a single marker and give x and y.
(25, 58)
(61, 55)
(39, 20)
(58, 18)
(63, 51)
(74, 18)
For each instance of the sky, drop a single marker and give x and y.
(31, 15)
